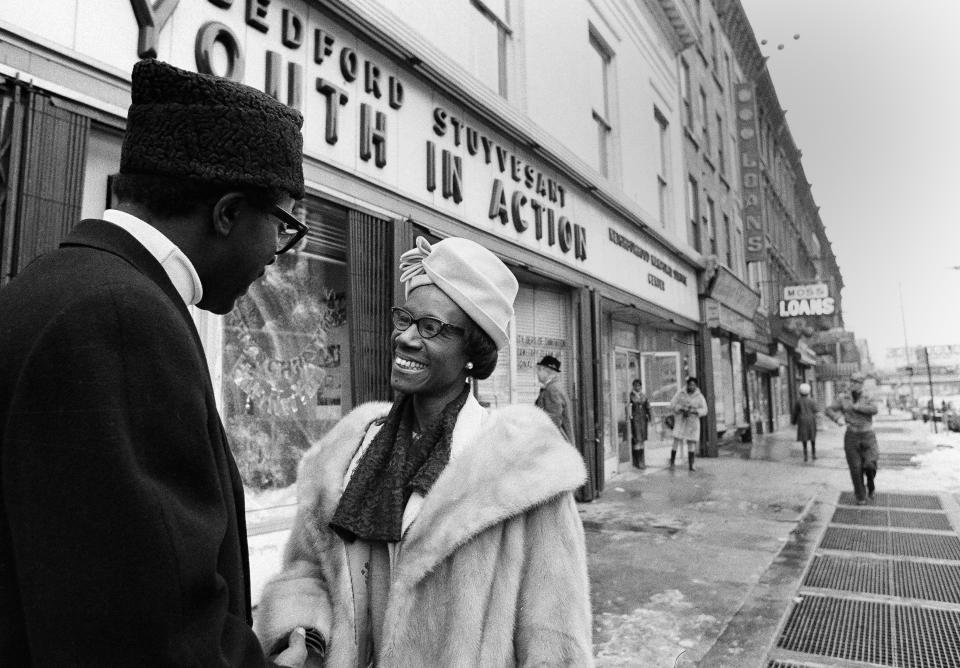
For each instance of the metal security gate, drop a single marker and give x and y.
(42, 154)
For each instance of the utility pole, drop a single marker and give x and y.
(906, 346)
(933, 402)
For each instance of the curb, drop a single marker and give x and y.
(749, 634)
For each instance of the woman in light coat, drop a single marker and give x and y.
(805, 417)
(687, 406)
(433, 532)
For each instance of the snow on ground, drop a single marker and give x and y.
(937, 470)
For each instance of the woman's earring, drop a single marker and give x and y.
(469, 366)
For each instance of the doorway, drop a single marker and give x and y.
(661, 380)
(626, 365)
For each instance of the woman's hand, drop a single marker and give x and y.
(295, 654)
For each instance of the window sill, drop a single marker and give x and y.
(689, 135)
(724, 181)
(709, 162)
(716, 80)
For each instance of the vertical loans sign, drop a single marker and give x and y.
(748, 141)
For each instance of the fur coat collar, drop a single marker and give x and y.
(489, 478)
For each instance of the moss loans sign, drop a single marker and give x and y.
(800, 300)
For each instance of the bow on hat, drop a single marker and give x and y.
(411, 262)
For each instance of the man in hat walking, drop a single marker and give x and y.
(122, 537)
(854, 409)
(552, 398)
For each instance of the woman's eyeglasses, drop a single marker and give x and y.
(428, 326)
(291, 230)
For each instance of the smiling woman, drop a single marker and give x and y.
(411, 512)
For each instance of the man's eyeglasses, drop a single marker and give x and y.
(291, 230)
(428, 326)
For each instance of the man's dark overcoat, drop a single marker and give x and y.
(122, 540)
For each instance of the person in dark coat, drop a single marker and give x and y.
(552, 398)
(805, 417)
(122, 537)
(639, 420)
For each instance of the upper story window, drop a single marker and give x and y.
(728, 242)
(490, 37)
(711, 225)
(693, 213)
(713, 48)
(687, 94)
(705, 123)
(599, 89)
(663, 183)
(721, 142)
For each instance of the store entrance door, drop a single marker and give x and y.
(626, 369)
(661, 380)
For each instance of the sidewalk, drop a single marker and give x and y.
(674, 556)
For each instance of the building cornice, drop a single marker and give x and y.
(677, 22)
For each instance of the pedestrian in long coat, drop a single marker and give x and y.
(434, 532)
(639, 407)
(122, 536)
(687, 407)
(805, 417)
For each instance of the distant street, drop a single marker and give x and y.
(675, 557)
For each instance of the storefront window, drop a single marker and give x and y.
(285, 361)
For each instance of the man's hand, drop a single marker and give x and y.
(295, 654)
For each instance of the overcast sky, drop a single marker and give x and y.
(872, 94)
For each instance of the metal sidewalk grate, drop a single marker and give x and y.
(873, 632)
(926, 581)
(929, 545)
(841, 628)
(926, 637)
(856, 540)
(786, 664)
(882, 517)
(918, 501)
(858, 574)
(862, 516)
(919, 520)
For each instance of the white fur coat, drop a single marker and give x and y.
(492, 572)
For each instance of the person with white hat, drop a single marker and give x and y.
(854, 409)
(805, 417)
(433, 532)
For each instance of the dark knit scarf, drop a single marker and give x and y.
(395, 465)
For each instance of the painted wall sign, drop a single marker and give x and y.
(748, 141)
(645, 255)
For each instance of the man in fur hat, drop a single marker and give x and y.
(122, 539)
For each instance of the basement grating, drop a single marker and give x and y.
(927, 637)
(883, 517)
(918, 501)
(858, 574)
(862, 516)
(786, 664)
(855, 540)
(926, 581)
(929, 545)
(918, 520)
(841, 628)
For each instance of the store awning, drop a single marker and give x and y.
(763, 362)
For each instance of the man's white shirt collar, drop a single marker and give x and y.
(174, 261)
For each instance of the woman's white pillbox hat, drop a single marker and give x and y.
(473, 277)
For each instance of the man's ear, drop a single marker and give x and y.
(226, 212)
